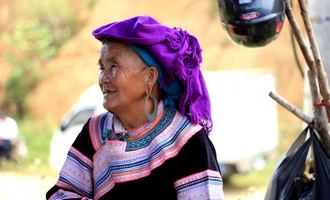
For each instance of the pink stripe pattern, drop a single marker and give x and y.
(200, 186)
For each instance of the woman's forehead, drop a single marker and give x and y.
(114, 48)
(120, 52)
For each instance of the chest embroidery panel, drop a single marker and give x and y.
(119, 161)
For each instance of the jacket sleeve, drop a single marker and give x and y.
(76, 176)
(198, 173)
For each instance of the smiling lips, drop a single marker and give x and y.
(107, 91)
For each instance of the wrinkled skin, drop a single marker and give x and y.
(124, 80)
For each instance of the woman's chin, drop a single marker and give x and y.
(108, 105)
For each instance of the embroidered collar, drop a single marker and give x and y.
(116, 131)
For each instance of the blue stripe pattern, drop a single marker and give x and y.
(75, 158)
(82, 170)
(207, 180)
(146, 140)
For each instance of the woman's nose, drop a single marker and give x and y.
(105, 76)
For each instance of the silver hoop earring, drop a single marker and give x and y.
(151, 116)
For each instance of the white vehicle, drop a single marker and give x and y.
(245, 120)
(245, 128)
(89, 104)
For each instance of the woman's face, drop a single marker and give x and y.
(121, 77)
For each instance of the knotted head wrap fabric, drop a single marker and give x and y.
(179, 55)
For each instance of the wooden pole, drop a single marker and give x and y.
(320, 115)
(322, 110)
(318, 65)
(299, 36)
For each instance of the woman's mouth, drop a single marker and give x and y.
(108, 92)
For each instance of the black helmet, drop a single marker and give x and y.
(252, 23)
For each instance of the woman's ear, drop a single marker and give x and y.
(152, 75)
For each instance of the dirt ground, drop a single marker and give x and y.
(15, 186)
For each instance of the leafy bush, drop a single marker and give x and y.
(90, 3)
(34, 38)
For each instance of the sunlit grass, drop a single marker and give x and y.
(261, 178)
(36, 136)
(253, 179)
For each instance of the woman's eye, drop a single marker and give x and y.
(113, 70)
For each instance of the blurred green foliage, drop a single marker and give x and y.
(35, 36)
(90, 3)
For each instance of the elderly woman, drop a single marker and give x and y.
(153, 143)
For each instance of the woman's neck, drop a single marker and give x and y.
(131, 122)
(132, 118)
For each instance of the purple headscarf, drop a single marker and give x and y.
(179, 55)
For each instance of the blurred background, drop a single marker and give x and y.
(48, 58)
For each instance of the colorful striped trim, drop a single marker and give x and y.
(61, 194)
(116, 164)
(76, 173)
(94, 127)
(203, 185)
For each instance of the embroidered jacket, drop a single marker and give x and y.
(167, 159)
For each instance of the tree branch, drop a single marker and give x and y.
(293, 109)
